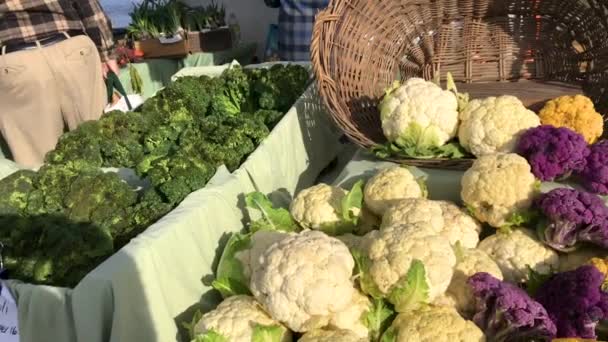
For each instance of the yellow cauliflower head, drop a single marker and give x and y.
(574, 112)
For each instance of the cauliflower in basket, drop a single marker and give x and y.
(241, 319)
(304, 280)
(445, 218)
(494, 124)
(419, 114)
(574, 112)
(327, 208)
(470, 261)
(413, 255)
(390, 185)
(432, 324)
(517, 251)
(331, 336)
(499, 189)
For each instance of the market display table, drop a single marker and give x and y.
(156, 73)
(148, 288)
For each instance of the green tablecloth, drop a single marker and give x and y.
(147, 288)
(156, 73)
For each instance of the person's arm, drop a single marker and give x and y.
(98, 27)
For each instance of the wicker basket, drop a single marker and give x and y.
(533, 49)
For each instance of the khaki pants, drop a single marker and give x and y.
(45, 89)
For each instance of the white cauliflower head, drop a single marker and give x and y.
(497, 187)
(321, 208)
(444, 218)
(390, 185)
(260, 241)
(236, 318)
(305, 279)
(494, 124)
(420, 111)
(517, 250)
(396, 247)
(433, 324)
(332, 336)
(351, 318)
(470, 261)
(360, 243)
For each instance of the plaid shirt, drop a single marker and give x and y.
(296, 21)
(25, 21)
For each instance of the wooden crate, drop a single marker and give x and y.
(210, 41)
(153, 48)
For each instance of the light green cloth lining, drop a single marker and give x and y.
(156, 72)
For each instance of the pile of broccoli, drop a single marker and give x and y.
(58, 223)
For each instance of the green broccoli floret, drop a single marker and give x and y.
(179, 175)
(193, 91)
(269, 117)
(160, 139)
(279, 87)
(122, 142)
(15, 190)
(52, 185)
(80, 144)
(234, 94)
(100, 198)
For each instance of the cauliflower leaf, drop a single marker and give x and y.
(210, 336)
(390, 335)
(267, 333)
(230, 277)
(408, 148)
(351, 204)
(272, 218)
(378, 318)
(366, 282)
(536, 280)
(412, 290)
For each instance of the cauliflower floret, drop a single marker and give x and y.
(235, 319)
(574, 112)
(494, 124)
(419, 111)
(305, 279)
(470, 261)
(434, 324)
(260, 241)
(390, 185)
(392, 253)
(445, 218)
(331, 336)
(350, 319)
(360, 243)
(517, 250)
(319, 207)
(497, 187)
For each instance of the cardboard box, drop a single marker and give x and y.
(210, 41)
(175, 46)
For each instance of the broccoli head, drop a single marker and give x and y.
(16, 189)
(279, 87)
(122, 143)
(269, 117)
(232, 94)
(81, 144)
(194, 91)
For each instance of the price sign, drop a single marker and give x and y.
(9, 321)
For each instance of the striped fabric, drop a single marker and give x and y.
(25, 21)
(296, 20)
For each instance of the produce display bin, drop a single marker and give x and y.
(210, 41)
(145, 290)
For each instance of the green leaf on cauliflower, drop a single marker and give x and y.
(462, 98)
(458, 251)
(536, 280)
(366, 283)
(273, 218)
(521, 218)
(210, 336)
(267, 333)
(378, 318)
(189, 326)
(411, 290)
(230, 278)
(389, 335)
(351, 205)
(451, 150)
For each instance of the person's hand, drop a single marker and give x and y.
(109, 65)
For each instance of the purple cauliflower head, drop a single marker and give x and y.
(575, 301)
(571, 216)
(505, 312)
(594, 176)
(553, 152)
